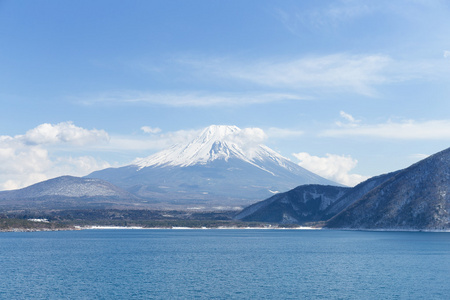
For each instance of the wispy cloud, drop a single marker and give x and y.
(183, 99)
(332, 14)
(356, 74)
(348, 10)
(283, 133)
(350, 121)
(426, 22)
(271, 79)
(347, 116)
(404, 130)
(344, 72)
(324, 16)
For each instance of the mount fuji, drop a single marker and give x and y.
(222, 167)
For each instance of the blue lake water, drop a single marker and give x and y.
(224, 264)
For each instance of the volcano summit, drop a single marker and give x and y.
(223, 166)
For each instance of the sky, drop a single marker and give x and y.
(347, 89)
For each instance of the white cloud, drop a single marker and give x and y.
(406, 130)
(27, 159)
(332, 166)
(148, 129)
(22, 165)
(65, 132)
(446, 54)
(248, 137)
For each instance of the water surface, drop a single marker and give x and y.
(224, 264)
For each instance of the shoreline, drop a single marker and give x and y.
(192, 228)
(255, 228)
(97, 227)
(389, 229)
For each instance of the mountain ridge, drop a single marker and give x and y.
(414, 198)
(69, 192)
(309, 203)
(305, 203)
(417, 197)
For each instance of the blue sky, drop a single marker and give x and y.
(348, 89)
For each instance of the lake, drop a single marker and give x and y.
(224, 264)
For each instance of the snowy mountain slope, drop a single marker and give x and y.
(223, 166)
(213, 143)
(216, 142)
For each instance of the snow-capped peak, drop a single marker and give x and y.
(215, 142)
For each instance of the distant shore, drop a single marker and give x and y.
(68, 220)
